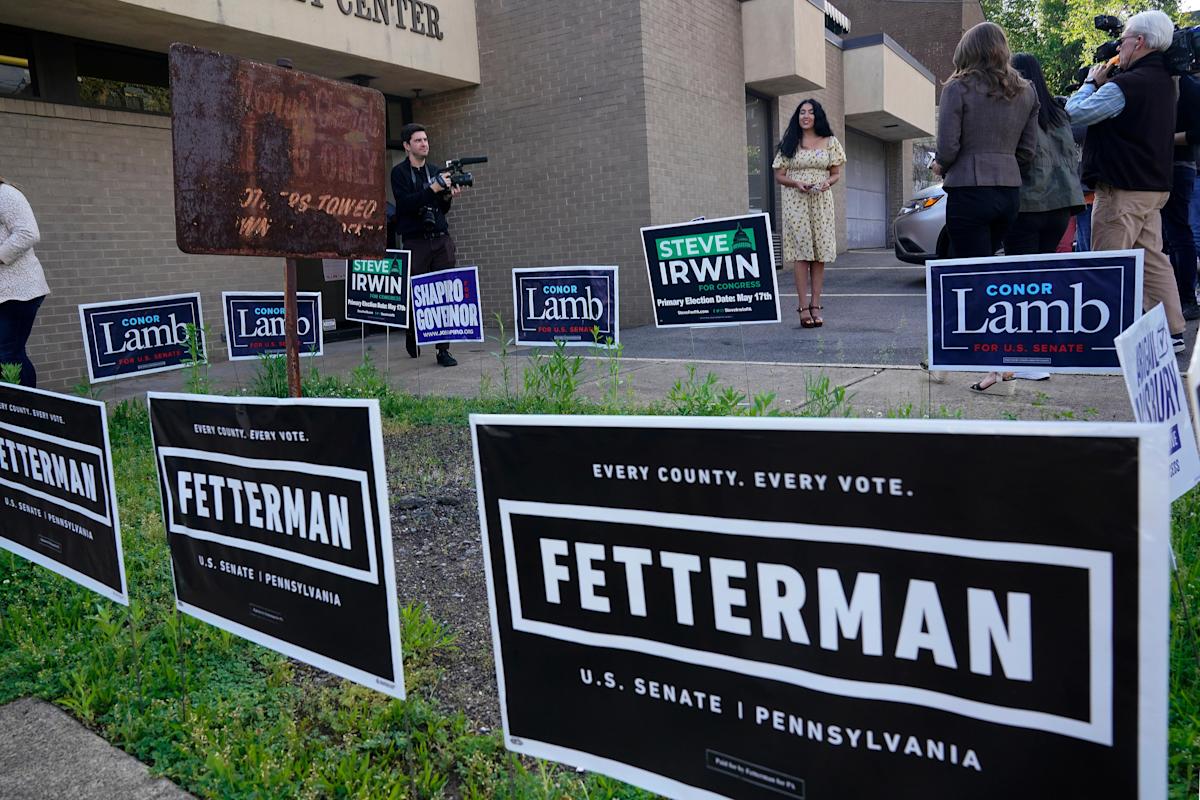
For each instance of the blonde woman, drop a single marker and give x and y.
(987, 139)
(22, 283)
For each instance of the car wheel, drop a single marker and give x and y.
(943, 245)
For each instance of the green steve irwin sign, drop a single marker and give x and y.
(712, 272)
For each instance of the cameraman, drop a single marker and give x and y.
(1128, 154)
(421, 207)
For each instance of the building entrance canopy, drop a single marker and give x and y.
(401, 44)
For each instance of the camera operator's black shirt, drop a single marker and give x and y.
(1135, 149)
(410, 186)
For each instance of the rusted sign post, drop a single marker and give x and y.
(273, 162)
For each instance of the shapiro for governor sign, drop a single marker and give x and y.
(277, 520)
(446, 306)
(254, 324)
(712, 272)
(712, 622)
(59, 506)
(1058, 312)
(573, 305)
(136, 337)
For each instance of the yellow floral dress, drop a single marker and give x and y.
(808, 219)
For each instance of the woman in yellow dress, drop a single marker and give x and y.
(809, 161)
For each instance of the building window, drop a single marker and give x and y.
(16, 69)
(760, 148)
(119, 78)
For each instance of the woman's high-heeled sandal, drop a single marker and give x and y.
(817, 321)
(806, 323)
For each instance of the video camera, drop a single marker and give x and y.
(1183, 56)
(458, 177)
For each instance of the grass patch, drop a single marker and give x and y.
(226, 718)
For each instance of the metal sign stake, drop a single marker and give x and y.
(291, 337)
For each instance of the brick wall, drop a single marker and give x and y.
(696, 109)
(832, 99)
(560, 113)
(931, 40)
(100, 184)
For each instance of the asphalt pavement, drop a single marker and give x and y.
(874, 315)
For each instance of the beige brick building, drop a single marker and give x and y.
(598, 118)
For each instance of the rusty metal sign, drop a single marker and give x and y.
(273, 162)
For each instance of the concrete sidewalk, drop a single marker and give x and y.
(47, 755)
(873, 390)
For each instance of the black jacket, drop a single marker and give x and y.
(1135, 150)
(410, 186)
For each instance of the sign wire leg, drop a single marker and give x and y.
(183, 672)
(692, 339)
(362, 340)
(745, 363)
(929, 393)
(387, 351)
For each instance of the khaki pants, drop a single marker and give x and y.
(1126, 220)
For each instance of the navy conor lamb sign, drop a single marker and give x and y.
(1051, 312)
(711, 622)
(254, 324)
(123, 338)
(577, 306)
(278, 526)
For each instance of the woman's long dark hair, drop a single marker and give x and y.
(791, 136)
(1051, 114)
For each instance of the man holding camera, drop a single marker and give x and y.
(422, 202)
(1128, 154)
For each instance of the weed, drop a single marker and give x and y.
(10, 373)
(87, 390)
(367, 381)
(610, 352)
(703, 398)
(504, 356)
(270, 376)
(1040, 399)
(824, 399)
(551, 382)
(197, 363)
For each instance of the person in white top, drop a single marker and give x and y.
(22, 282)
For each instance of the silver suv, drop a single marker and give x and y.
(920, 227)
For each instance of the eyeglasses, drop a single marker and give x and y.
(1121, 41)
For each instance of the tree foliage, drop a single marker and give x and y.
(1062, 33)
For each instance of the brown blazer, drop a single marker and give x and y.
(985, 141)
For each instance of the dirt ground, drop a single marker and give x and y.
(439, 559)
